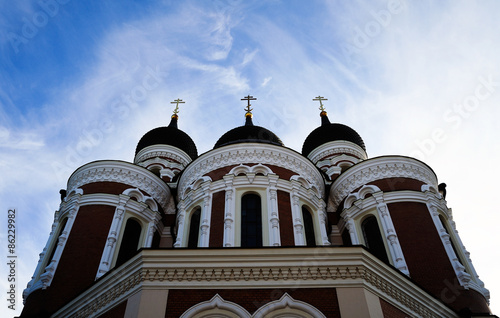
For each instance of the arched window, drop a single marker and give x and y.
(373, 238)
(194, 229)
(308, 227)
(130, 241)
(251, 221)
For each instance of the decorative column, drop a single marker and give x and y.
(296, 215)
(229, 208)
(322, 223)
(53, 232)
(110, 247)
(180, 224)
(463, 277)
(273, 217)
(48, 275)
(205, 217)
(390, 234)
(150, 234)
(480, 283)
(347, 215)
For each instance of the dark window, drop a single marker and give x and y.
(251, 221)
(346, 237)
(373, 239)
(194, 229)
(308, 227)
(130, 241)
(53, 250)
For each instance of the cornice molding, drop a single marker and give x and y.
(250, 153)
(377, 169)
(122, 172)
(337, 147)
(245, 268)
(163, 151)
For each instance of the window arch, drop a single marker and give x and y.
(373, 238)
(308, 227)
(194, 229)
(130, 241)
(251, 220)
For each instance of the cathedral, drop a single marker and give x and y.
(252, 228)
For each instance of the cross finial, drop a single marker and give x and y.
(248, 99)
(177, 102)
(320, 98)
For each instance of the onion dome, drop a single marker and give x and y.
(171, 136)
(248, 133)
(330, 132)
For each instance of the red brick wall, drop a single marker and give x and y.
(111, 188)
(324, 299)
(217, 219)
(285, 215)
(390, 311)
(219, 173)
(79, 262)
(105, 187)
(427, 259)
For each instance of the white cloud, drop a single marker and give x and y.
(395, 92)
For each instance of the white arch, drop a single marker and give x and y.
(361, 194)
(217, 302)
(431, 188)
(260, 168)
(73, 192)
(298, 308)
(140, 197)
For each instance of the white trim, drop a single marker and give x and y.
(122, 172)
(287, 302)
(250, 152)
(320, 267)
(378, 168)
(216, 302)
(337, 147)
(163, 151)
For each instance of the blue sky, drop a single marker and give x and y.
(83, 81)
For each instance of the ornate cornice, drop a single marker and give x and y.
(377, 169)
(251, 153)
(163, 151)
(246, 268)
(337, 147)
(122, 172)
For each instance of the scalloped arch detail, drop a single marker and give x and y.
(361, 194)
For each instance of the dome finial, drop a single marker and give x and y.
(323, 114)
(320, 99)
(176, 110)
(248, 114)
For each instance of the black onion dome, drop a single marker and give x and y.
(248, 133)
(330, 132)
(170, 135)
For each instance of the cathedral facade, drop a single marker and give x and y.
(252, 228)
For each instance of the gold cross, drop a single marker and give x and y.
(177, 102)
(321, 107)
(248, 99)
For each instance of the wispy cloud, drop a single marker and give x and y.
(394, 76)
